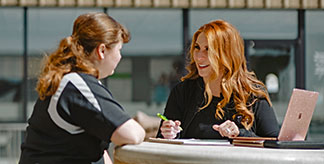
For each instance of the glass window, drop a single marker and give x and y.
(153, 31)
(11, 63)
(315, 67)
(47, 26)
(279, 80)
(11, 31)
(253, 24)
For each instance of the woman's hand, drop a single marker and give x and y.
(170, 129)
(227, 129)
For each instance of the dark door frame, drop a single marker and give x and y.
(298, 44)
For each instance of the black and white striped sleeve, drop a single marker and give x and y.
(84, 105)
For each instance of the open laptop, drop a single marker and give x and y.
(294, 127)
(298, 116)
(296, 122)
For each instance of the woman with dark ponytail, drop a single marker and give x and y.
(76, 117)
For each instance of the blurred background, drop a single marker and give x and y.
(284, 46)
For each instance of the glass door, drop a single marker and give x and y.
(273, 63)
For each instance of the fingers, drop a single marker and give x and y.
(178, 123)
(170, 129)
(227, 129)
(216, 127)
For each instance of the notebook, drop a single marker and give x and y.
(294, 127)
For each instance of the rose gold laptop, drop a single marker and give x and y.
(298, 116)
(294, 127)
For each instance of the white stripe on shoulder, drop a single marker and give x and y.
(57, 119)
(83, 88)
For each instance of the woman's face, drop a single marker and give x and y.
(110, 61)
(200, 55)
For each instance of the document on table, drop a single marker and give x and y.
(206, 142)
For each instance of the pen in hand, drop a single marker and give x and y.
(165, 119)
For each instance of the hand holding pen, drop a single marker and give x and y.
(169, 128)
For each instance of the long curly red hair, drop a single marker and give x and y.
(226, 52)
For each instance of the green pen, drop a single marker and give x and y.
(165, 119)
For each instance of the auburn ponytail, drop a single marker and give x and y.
(67, 58)
(73, 53)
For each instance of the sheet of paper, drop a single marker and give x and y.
(207, 142)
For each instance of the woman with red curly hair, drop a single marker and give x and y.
(76, 117)
(219, 97)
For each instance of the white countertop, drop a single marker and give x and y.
(158, 153)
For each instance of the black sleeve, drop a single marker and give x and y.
(265, 122)
(101, 122)
(174, 106)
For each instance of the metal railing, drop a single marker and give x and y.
(11, 137)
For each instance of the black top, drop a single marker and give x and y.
(74, 125)
(186, 98)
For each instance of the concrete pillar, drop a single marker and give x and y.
(141, 79)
